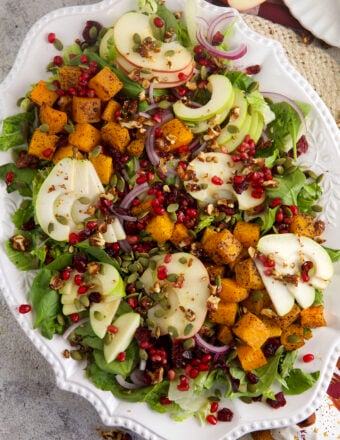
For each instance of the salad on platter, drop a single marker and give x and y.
(167, 216)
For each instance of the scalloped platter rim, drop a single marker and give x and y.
(276, 75)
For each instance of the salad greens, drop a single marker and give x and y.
(156, 189)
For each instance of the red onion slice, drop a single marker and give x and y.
(125, 384)
(209, 347)
(135, 192)
(217, 21)
(72, 327)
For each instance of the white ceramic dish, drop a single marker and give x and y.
(322, 18)
(276, 75)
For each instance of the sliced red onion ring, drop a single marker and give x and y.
(209, 347)
(151, 89)
(125, 246)
(225, 54)
(72, 327)
(125, 384)
(137, 377)
(216, 22)
(150, 138)
(135, 192)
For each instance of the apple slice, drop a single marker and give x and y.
(181, 308)
(126, 325)
(290, 251)
(222, 98)
(207, 169)
(170, 57)
(101, 316)
(244, 5)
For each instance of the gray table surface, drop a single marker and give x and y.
(31, 406)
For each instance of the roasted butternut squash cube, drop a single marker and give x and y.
(215, 270)
(136, 147)
(247, 275)
(115, 136)
(160, 228)
(176, 134)
(262, 435)
(181, 235)
(86, 110)
(144, 207)
(66, 151)
(69, 76)
(222, 247)
(290, 317)
(43, 145)
(292, 337)
(250, 358)
(106, 84)
(55, 119)
(231, 291)
(85, 137)
(42, 94)
(251, 330)
(103, 164)
(225, 335)
(257, 301)
(313, 317)
(225, 314)
(109, 113)
(303, 224)
(247, 233)
(272, 326)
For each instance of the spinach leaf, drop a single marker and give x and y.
(22, 181)
(22, 260)
(240, 80)
(298, 381)
(333, 253)
(288, 188)
(15, 130)
(116, 367)
(308, 196)
(23, 214)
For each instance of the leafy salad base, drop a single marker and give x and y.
(276, 75)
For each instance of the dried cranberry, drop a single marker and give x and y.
(253, 379)
(278, 402)
(270, 347)
(79, 262)
(90, 24)
(225, 415)
(95, 297)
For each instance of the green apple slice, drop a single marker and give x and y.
(222, 98)
(184, 306)
(237, 118)
(65, 196)
(101, 316)
(290, 251)
(237, 138)
(126, 325)
(206, 168)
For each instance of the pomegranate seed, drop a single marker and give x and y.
(206, 358)
(91, 225)
(84, 59)
(182, 91)
(308, 357)
(213, 407)
(305, 268)
(78, 280)
(47, 153)
(93, 64)
(203, 367)
(90, 93)
(198, 49)
(65, 274)
(182, 76)
(275, 202)
(158, 22)
(159, 211)
(72, 91)
(164, 400)
(24, 308)
(211, 419)
(167, 258)
(216, 180)
(51, 37)
(60, 92)
(184, 383)
(171, 375)
(9, 177)
(157, 118)
(121, 356)
(82, 289)
(73, 238)
(74, 317)
(141, 179)
(194, 372)
(158, 132)
(182, 149)
(57, 60)
(294, 209)
(195, 362)
(268, 272)
(133, 302)
(279, 216)
(162, 272)
(112, 329)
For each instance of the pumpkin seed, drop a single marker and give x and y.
(188, 343)
(69, 128)
(319, 178)
(98, 315)
(60, 319)
(280, 170)
(93, 33)
(291, 169)
(50, 86)
(152, 264)
(164, 104)
(173, 331)
(114, 180)
(132, 278)
(136, 38)
(317, 208)
(61, 219)
(256, 296)
(76, 355)
(293, 338)
(144, 262)
(172, 277)
(311, 174)
(253, 86)
(159, 313)
(84, 300)
(169, 53)
(58, 44)
(173, 217)
(183, 260)
(108, 338)
(188, 328)
(96, 151)
(280, 161)
(232, 128)
(44, 128)
(84, 200)
(120, 184)
(135, 267)
(50, 228)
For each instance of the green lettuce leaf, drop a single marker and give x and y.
(15, 130)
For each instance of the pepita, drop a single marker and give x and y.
(44, 128)
(61, 219)
(232, 129)
(58, 44)
(169, 53)
(76, 355)
(173, 332)
(293, 339)
(84, 200)
(93, 33)
(136, 38)
(188, 328)
(98, 315)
